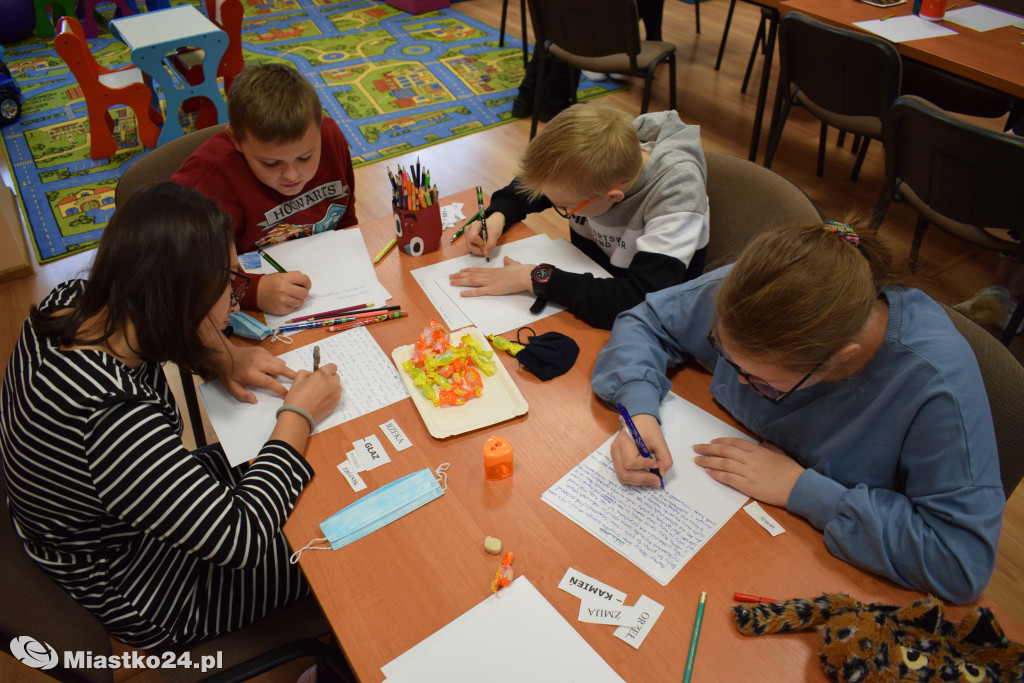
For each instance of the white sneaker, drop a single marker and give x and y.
(594, 75)
(1001, 324)
(988, 305)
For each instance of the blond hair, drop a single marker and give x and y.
(796, 295)
(586, 149)
(272, 103)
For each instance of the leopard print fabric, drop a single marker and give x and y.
(882, 643)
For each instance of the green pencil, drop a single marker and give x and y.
(458, 233)
(272, 262)
(692, 654)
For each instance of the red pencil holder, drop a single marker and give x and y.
(419, 231)
(933, 10)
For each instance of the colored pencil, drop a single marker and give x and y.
(368, 321)
(337, 311)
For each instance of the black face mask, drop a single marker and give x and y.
(548, 355)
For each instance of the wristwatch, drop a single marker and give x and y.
(540, 276)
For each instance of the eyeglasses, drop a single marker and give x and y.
(569, 214)
(239, 283)
(759, 385)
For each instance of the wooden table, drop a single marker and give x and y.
(154, 36)
(388, 591)
(994, 58)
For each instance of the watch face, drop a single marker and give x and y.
(542, 273)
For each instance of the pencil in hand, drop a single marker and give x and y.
(483, 219)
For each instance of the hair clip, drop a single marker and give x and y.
(845, 231)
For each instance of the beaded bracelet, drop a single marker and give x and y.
(300, 411)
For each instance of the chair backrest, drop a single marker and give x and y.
(1004, 383)
(958, 176)
(588, 28)
(161, 163)
(73, 47)
(229, 14)
(746, 199)
(36, 607)
(841, 71)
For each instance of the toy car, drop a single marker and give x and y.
(10, 96)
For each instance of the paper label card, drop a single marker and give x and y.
(763, 518)
(368, 454)
(600, 612)
(395, 435)
(584, 587)
(646, 613)
(348, 471)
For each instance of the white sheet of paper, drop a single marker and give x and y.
(902, 29)
(658, 530)
(339, 266)
(371, 453)
(585, 588)
(647, 612)
(351, 476)
(982, 18)
(763, 518)
(369, 382)
(512, 636)
(499, 314)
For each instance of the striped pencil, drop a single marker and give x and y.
(368, 321)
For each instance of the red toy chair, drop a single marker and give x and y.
(104, 88)
(228, 15)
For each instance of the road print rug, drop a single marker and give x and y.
(393, 81)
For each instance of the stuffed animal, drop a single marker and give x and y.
(882, 643)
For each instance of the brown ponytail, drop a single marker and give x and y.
(798, 294)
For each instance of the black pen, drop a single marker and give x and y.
(275, 264)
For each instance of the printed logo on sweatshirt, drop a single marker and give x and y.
(283, 212)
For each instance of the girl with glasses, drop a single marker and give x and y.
(163, 545)
(868, 407)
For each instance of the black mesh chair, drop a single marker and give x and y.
(601, 36)
(1004, 384)
(959, 177)
(846, 78)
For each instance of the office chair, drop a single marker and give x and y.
(847, 79)
(745, 199)
(601, 36)
(959, 177)
(37, 607)
(104, 88)
(1004, 383)
(152, 167)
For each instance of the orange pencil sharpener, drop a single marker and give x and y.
(497, 459)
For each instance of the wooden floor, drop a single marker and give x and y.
(705, 97)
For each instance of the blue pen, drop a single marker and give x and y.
(641, 446)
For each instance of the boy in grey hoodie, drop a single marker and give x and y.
(634, 193)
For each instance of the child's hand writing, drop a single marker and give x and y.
(495, 226)
(317, 392)
(632, 468)
(281, 293)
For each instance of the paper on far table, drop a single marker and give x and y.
(369, 381)
(498, 314)
(658, 530)
(514, 635)
(982, 18)
(339, 266)
(902, 29)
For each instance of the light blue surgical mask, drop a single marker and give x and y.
(379, 508)
(244, 325)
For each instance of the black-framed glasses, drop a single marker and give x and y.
(239, 283)
(759, 385)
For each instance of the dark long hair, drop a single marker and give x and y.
(162, 263)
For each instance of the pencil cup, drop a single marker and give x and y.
(497, 459)
(419, 231)
(933, 10)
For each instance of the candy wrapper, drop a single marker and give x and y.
(448, 375)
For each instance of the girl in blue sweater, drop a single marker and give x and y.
(869, 406)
